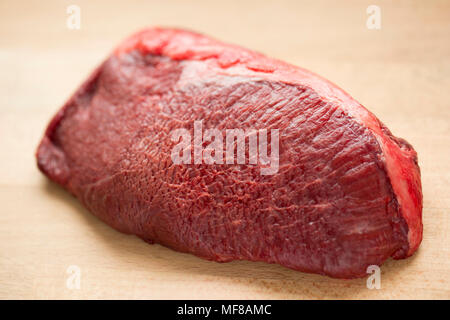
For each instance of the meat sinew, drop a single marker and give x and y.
(346, 193)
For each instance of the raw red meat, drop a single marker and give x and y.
(347, 193)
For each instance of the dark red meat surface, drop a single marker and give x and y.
(347, 193)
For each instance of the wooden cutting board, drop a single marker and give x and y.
(400, 72)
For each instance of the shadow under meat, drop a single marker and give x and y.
(263, 276)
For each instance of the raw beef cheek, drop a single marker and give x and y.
(347, 193)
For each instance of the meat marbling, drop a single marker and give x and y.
(347, 193)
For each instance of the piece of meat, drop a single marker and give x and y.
(346, 193)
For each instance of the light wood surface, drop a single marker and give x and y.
(400, 72)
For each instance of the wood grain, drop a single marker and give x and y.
(400, 72)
